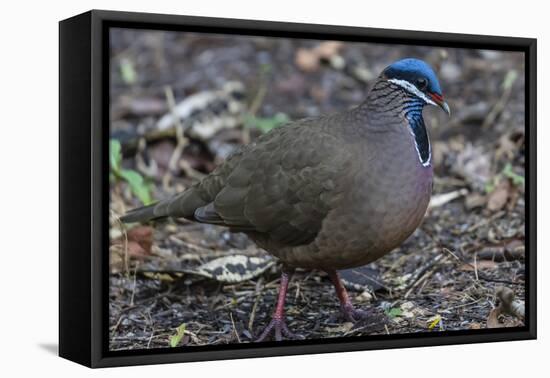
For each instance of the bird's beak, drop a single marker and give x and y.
(438, 99)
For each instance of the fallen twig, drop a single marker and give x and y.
(182, 141)
(423, 273)
(499, 106)
(441, 199)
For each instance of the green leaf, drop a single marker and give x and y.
(127, 71)
(138, 186)
(509, 172)
(394, 312)
(176, 339)
(266, 124)
(265, 69)
(489, 187)
(434, 321)
(115, 155)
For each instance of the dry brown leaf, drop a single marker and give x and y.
(143, 237)
(514, 250)
(307, 60)
(509, 144)
(498, 197)
(136, 250)
(138, 242)
(481, 265)
(328, 49)
(475, 200)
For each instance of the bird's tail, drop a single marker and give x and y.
(181, 205)
(142, 214)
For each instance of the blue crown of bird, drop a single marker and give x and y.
(418, 78)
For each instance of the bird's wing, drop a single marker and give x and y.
(282, 186)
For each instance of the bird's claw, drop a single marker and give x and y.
(353, 314)
(278, 327)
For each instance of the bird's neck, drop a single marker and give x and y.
(385, 107)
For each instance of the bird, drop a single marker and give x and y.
(331, 192)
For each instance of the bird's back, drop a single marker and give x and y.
(278, 189)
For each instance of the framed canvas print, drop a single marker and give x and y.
(234, 188)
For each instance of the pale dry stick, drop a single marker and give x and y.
(234, 327)
(190, 171)
(421, 289)
(499, 106)
(181, 141)
(475, 266)
(253, 313)
(272, 284)
(255, 306)
(122, 228)
(149, 318)
(422, 272)
(485, 221)
(464, 305)
(424, 277)
(150, 169)
(482, 277)
(447, 250)
(231, 304)
(134, 285)
(444, 198)
(402, 258)
(254, 107)
(150, 338)
(375, 281)
(115, 327)
(297, 284)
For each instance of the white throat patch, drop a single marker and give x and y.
(412, 89)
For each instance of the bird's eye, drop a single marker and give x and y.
(421, 83)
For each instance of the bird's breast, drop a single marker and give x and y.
(383, 205)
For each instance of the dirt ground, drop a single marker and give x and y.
(445, 277)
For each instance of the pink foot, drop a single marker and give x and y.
(348, 310)
(353, 314)
(277, 325)
(279, 329)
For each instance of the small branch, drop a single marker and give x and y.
(423, 273)
(500, 105)
(182, 141)
(442, 199)
(234, 327)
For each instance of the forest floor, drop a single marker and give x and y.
(229, 90)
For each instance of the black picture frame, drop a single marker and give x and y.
(83, 196)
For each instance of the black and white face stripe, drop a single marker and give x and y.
(413, 112)
(412, 89)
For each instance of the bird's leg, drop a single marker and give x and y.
(350, 313)
(277, 324)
